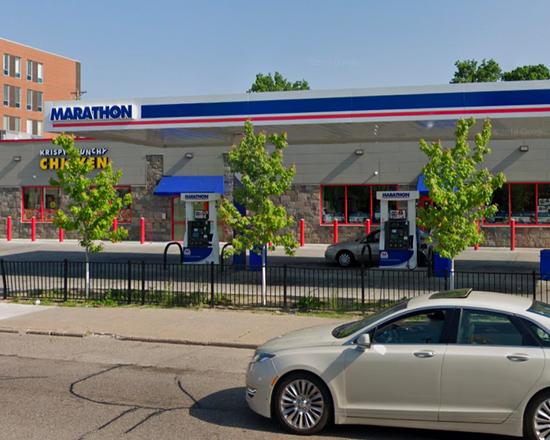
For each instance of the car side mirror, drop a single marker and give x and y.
(363, 341)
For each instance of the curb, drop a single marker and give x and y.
(237, 345)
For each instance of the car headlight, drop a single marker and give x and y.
(261, 357)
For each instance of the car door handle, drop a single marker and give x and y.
(518, 357)
(424, 354)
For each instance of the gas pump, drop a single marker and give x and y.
(201, 243)
(398, 239)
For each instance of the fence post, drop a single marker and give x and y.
(9, 228)
(129, 281)
(512, 235)
(142, 230)
(335, 239)
(285, 299)
(534, 285)
(302, 232)
(33, 229)
(3, 268)
(446, 280)
(362, 286)
(143, 282)
(367, 226)
(211, 284)
(65, 279)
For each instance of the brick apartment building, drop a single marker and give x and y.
(29, 78)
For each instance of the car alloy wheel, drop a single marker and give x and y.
(302, 404)
(537, 418)
(344, 259)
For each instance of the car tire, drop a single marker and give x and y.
(538, 410)
(345, 259)
(302, 403)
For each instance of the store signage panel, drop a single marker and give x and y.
(54, 159)
(92, 113)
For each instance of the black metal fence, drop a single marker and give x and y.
(355, 289)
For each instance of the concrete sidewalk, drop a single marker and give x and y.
(197, 327)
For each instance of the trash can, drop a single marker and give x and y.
(442, 266)
(255, 260)
(545, 264)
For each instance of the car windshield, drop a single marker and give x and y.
(345, 330)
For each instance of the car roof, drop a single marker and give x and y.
(473, 298)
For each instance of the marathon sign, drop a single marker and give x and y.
(91, 113)
(397, 195)
(200, 197)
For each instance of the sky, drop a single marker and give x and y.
(160, 48)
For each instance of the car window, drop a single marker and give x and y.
(540, 334)
(424, 327)
(479, 327)
(374, 237)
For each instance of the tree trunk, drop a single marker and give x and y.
(87, 274)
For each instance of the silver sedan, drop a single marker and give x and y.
(460, 360)
(347, 253)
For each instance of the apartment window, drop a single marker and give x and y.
(6, 97)
(29, 99)
(29, 126)
(16, 124)
(6, 122)
(40, 203)
(29, 70)
(526, 203)
(17, 67)
(39, 128)
(6, 64)
(39, 72)
(352, 204)
(38, 101)
(17, 97)
(11, 123)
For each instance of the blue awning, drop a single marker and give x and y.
(421, 188)
(176, 185)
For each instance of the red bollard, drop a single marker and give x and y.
(33, 229)
(335, 240)
(142, 230)
(513, 235)
(61, 235)
(477, 245)
(115, 224)
(367, 226)
(9, 228)
(302, 233)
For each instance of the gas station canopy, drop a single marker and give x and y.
(517, 110)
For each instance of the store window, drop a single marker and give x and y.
(352, 204)
(40, 203)
(178, 218)
(125, 213)
(526, 203)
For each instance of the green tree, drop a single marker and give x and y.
(276, 83)
(527, 73)
(468, 71)
(263, 176)
(93, 204)
(460, 189)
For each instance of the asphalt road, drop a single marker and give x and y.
(102, 388)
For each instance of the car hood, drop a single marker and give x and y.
(307, 337)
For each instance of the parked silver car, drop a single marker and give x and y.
(459, 361)
(346, 253)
